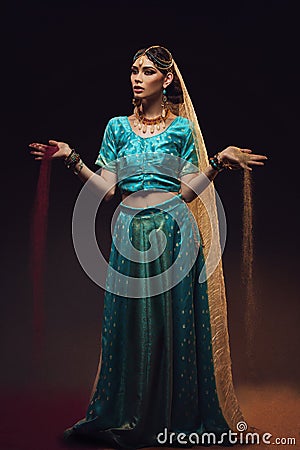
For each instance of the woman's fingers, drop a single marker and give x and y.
(246, 150)
(33, 152)
(256, 160)
(245, 166)
(44, 147)
(256, 163)
(40, 147)
(244, 158)
(38, 155)
(260, 157)
(39, 150)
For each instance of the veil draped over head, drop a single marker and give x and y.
(204, 209)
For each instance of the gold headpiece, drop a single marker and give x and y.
(159, 63)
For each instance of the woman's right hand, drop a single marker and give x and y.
(39, 150)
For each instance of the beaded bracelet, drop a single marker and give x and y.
(72, 159)
(216, 164)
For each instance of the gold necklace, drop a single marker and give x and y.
(142, 122)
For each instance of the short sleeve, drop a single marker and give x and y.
(107, 155)
(189, 154)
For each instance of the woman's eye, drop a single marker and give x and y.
(149, 72)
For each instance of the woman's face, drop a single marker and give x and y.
(147, 81)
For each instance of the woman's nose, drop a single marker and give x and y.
(138, 78)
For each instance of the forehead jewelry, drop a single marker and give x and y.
(158, 62)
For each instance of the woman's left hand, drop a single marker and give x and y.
(240, 158)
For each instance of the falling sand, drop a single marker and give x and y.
(38, 244)
(247, 267)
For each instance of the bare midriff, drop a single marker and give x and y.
(143, 199)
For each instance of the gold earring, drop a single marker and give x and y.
(164, 104)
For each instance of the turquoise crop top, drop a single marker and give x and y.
(157, 161)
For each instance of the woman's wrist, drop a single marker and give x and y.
(74, 162)
(217, 163)
(67, 153)
(78, 167)
(221, 157)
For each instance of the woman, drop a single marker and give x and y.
(164, 366)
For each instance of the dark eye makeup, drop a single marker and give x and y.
(134, 70)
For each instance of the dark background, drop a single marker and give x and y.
(65, 73)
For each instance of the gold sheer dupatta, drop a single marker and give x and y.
(204, 210)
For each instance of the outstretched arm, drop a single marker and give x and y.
(231, 157)
(105, 183)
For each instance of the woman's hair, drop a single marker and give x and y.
(163, 61)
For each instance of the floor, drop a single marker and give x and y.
(35, 421)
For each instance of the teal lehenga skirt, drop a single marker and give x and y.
(156, 372)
